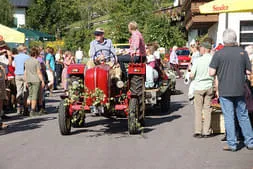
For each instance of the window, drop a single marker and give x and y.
(246, 33)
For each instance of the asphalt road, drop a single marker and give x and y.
(167, 143)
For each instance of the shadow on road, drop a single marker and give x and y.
(119, 126)
(150, 122)
(174, 107)
(29, 124)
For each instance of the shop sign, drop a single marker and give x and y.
(220, 8)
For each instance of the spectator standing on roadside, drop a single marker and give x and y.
(79, 55)
(19, 62)
(50, 64)
(203, 92)
(195, 53)
(174, 61)
(58, 67)
(69, 59)
(34, 79)
(231, 64)
(2, 93)
(3, 53)
(11, 85)
(41, 97)
(194, 57)
(249, 50)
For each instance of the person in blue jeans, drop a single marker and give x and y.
(231, 64)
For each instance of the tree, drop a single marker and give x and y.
(78, 38)
(6, 13)
(125, 11)
(37, 15)
(63, 13)
(52, 16)
(158, 28)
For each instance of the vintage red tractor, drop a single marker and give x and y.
(93, 91)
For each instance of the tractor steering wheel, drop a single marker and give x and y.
(100, 53)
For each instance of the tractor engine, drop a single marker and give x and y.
(97, 81)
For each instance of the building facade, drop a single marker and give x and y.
(241, 22)
(20, 7)
(197, 24)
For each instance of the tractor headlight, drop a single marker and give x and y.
(120, 84)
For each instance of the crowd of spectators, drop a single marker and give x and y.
(27, 76)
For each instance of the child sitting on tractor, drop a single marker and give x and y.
(151, 72)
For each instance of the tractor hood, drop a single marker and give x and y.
(98, 77)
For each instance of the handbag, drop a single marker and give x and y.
(248, 97)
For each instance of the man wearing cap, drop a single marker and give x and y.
(102, 50)
(19, 62)
(204, 93)
(101, 46)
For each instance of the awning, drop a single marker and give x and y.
(36, 35)
(11, 36)
(224, 6)
(29, 34)
(44, 36)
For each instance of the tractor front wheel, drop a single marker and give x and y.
(64, 119)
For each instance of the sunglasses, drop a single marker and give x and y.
(98, 33)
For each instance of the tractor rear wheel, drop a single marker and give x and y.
(64, 119)
(136, 105)
(132, 116)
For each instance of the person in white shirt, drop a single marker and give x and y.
(174, 61)
(79, 55)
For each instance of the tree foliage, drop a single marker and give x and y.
(52, 16)
(125, 11)
(78, 38)
(6, 13)
(158, 28)
(37, 15)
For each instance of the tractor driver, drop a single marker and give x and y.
(102, 51)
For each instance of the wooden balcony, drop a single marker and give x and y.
(193, 18)
(201, 21)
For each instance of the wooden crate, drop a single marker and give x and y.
(217, 122)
